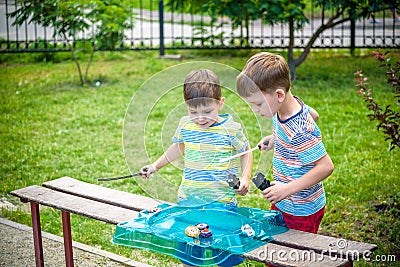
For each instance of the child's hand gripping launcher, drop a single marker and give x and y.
(259, 181)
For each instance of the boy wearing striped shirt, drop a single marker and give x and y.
(300, 161)
(204, 137)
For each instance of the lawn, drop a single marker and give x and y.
(52, 127)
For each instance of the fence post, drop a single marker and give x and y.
(7, 28)
(352, 32)
(161, 21)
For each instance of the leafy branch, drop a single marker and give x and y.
(107, 18)
(389, 119)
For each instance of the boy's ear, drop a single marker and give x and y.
(221, 103)
(281, 94)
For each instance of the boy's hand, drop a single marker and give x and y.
(147, 170)
(276, 192)
(244, 187)
(267, 143)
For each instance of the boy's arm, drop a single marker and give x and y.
(246, 164)
(278, 191)
(173, 152)
(314, 114)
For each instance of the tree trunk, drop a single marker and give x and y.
(76, 61)
(89, 62)
(77, 65)
(292, 62)
(247, 25)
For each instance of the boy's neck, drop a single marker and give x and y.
(289, 107)
(219, 119)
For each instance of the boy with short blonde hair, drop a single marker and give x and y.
(300, 161)
(204, 137)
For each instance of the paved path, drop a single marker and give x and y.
(16, 249)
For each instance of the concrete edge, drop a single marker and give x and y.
(173, 57)
(86, 248)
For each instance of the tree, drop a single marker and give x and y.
(290, 12)
(108, 19)
(240, 12)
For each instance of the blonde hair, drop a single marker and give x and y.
(263, 72)
(201, 87)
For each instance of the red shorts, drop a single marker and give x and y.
(303, 223)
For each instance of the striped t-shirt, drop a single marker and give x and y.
(203, 176)
(297, 145)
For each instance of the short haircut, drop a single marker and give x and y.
(263, 72)
(201, 88)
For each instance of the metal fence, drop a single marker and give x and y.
(156, 29)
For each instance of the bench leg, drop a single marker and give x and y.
(37, 234)
(69, 257)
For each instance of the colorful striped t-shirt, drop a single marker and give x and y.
(203, 176)
(297, 145)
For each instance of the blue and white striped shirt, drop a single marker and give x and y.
(203, 175)
(297, 145)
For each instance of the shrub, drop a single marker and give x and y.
(388, 118)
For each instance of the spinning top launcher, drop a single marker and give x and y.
(259, 181)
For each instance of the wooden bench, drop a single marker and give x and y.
(292, 248)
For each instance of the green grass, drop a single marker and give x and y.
(51, 127)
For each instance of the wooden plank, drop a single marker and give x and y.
(295, 239)
(74, 204)
(102, 194)
(328, 245)
(291, 238)
(278, 255)
(270, 253)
